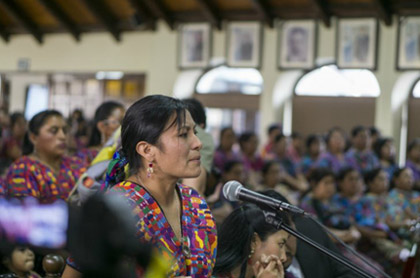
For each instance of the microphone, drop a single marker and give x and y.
(234, 191)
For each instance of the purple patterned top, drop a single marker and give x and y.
(416, 169)
(328, 160)
(362, 161)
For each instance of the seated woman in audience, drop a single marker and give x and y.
(334, 157)
(413, 161)
(248, 143)
(370, 215)
(225, 152)
(318, 201)
(18, 262)
(385, 151)
(403, 203)
(44, 172)
(296, 148)
(160, 146)
(313, 151)
(219, 205)
(13, 143)
(108, 117)
(274, 177)
(292, 175)
(249, 246)
(272, 131)
(334, 211)
(360, 155)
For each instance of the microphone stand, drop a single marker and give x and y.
(271, 218)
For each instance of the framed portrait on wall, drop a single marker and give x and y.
(408, 48)
(296, 44)
(194, 45)
(357, 43)
(244, 44)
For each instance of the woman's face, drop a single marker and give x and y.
(379, 184)
(236, 173)
(337, 142)
(250, 147)
(280, 147)
(315, 148)
(351, 184)
(272, 177)
(179, 151)
(325, 188)
(388, 150)
(405, 180)
(19, 128)
(414, 153)
(274, 244)
(51, 138)
(112, 123)
(227, 139)
(22, 260)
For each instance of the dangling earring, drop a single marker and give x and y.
(150, 170)
(251, 253)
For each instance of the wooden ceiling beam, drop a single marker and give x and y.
(323, 11)
(384, 11)
(263, 9)
(62, 17)
(159, 9)
(16, 12)
(104, 15)
(144, 13)
(210, 11)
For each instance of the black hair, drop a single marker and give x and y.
(342, 174)
(230, 164)
(374, 131)
(34, 126)
(413, 143)
(312, 138)
(396, 175)
(317, 174)
(15, 117)
(370, 177)
(236, 234)
(377, 147)
(196, 110)
(102, 113)
(146, 120)
(279, 138)
(245, 137)
(356, 130)
(267, 165)
(295, 135)
(273, 127)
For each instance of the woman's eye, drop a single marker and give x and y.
(183, 135)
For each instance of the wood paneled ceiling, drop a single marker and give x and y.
(42, 17)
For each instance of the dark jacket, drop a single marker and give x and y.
(313, 263)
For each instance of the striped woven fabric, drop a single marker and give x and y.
(193, 255)
(30, 177)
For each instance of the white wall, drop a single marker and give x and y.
(154, 53)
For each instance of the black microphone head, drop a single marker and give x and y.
(230, 190)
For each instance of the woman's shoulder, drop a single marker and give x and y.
(132, 191)
(189, 192)
(24, 162)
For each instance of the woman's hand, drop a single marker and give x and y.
(268, 267)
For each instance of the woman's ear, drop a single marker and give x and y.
(256, 242)
(101, 126)
(32, 138)
(145, 150)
